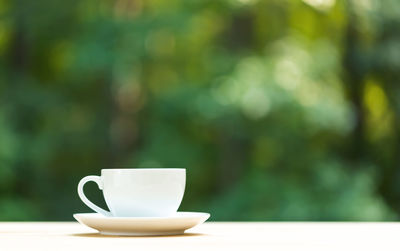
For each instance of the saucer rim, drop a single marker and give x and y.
(176, 224)
(177, 215)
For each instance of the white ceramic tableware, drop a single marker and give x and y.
(142, 226)
(141, 192)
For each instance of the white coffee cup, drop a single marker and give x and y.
(141, 192)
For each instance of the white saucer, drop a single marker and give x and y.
(142, 226)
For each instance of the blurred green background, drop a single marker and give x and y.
(279, 109)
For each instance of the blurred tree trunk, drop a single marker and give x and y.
(389, 74)
(233, 153)
(18, 58)
(354, 82)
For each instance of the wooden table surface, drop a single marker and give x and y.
(58, 236)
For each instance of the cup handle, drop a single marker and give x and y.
(83, 197)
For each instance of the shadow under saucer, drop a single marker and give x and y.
(98, 235)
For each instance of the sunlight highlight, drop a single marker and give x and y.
(322, 5)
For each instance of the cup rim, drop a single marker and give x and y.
(144, 169)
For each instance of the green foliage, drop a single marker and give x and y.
(279, 110)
